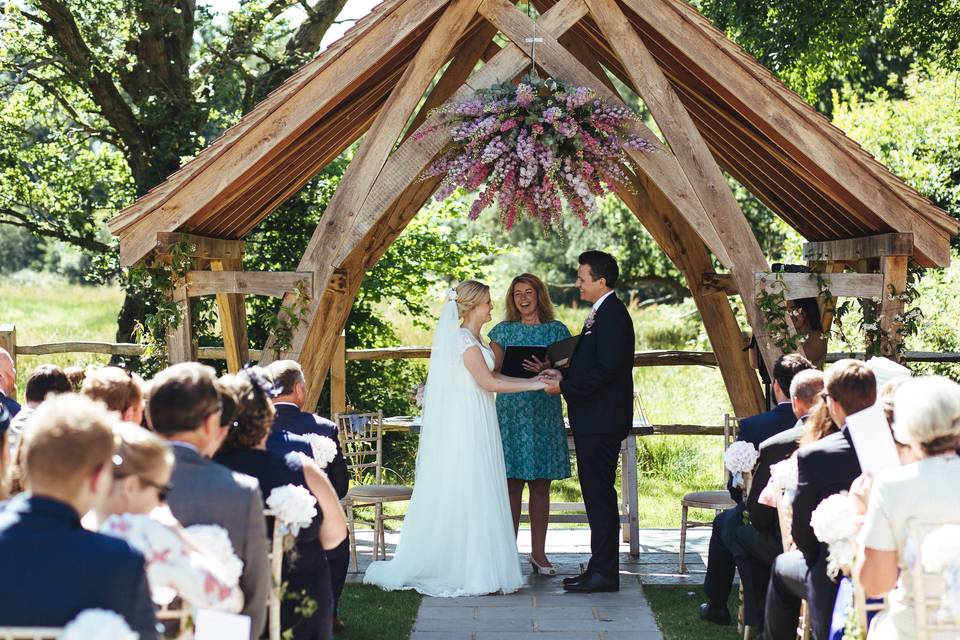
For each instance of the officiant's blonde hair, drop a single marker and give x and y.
(470, 294)
(545, 310)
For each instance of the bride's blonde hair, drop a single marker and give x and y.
(470, 294)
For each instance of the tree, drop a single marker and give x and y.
(103, 99)
(818, 45)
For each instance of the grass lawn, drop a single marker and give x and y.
(372, 614)
(46, 309)
(676, 611)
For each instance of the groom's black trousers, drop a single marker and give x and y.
(597, 457)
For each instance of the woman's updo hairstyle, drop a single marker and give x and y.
(470, 294)
(253, 420)
(927, 413)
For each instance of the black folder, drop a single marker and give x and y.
(513, 358)
(560, 353)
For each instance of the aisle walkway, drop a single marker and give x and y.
(543, 611)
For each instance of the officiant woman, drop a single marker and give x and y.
(531, 423)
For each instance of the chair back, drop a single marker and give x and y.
(640, 410)
(785, 517)
(275, 556)
(730, 429)
(29, 633)
(361, 438)
(929, 587)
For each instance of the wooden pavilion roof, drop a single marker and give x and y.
(787, 154)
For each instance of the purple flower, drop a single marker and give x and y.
(525, 95)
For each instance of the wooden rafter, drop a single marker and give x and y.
(806, 285)
(258, 283)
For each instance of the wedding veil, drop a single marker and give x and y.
(440, 389)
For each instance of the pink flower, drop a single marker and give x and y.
(508, 124)
(524, 95)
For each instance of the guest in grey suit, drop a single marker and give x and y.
(184, 408)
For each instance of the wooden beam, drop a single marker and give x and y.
(685, 248)
(720, 282)
(804, 285)
(878, 246)
(201, 246)
(695, 159)
(180, 338)
(259, 283)
(338, 377)
(757, 96)
(894, 273)
(8, 340)
(661, 166)
(232, 312)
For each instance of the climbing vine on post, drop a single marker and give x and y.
(155, 280)
(772, 301)
(286, 322)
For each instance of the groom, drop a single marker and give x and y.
(598, 388)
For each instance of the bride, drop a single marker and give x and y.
(457, 537)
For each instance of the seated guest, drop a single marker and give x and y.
(305, 571)
(291, 389)
(761, 540)
(53, 568)
(8, 383)
(4, 452)
(721, 566)
(44, 380)
(75, 376)
(133, 511)
(928, 419)
(184, 409)
(119, 389)
(824, 468)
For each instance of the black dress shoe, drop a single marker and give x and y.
(574, 579)
(593, 583)
(716, 615)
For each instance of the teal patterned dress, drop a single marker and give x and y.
(531, 423)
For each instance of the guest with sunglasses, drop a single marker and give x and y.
(135, 511)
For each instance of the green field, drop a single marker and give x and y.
(45, 309)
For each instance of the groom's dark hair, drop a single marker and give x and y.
(602, 265)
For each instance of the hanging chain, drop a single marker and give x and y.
(533, 44)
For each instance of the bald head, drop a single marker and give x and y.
(8, 374)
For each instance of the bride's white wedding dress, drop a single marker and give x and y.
(457, 537)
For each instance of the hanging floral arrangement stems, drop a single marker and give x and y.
(529, 147)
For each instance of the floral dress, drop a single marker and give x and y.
(531, 423)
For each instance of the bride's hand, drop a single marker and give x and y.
(549, 375)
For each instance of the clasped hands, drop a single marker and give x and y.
(550, 377)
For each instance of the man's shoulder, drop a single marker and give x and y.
(786, 437)
(831, 446)
(213, 477)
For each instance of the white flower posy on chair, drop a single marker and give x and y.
(295, 508)
(214, 540)
(739, 458)
(783, 477)
(940, 553)
(324, 449)
(835, 522)
(98, 624)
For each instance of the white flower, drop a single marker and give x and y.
(784, 474)
(834, 522)
(452, 294)
(98, 624)
(739, 458)
(215, 542)
(324, 449)
(294, 506)
(940, 553)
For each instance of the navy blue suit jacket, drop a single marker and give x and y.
(598, 385)
(12, 405)
(296, 423)
(758, 428)
(53, 569)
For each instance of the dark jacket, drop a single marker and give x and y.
(12, 405)
(758, 428)
(598, 385)
(205, 492)
(774, 449)
(53, 569)
(826, 467)
(291, 419)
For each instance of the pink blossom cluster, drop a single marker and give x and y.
(531, 147)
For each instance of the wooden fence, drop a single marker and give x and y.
(664, 358)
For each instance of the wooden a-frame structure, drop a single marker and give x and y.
(717, 108)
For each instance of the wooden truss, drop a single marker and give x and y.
(678, 192)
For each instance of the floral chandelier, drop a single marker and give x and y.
(530, 147)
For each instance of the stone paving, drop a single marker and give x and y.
(542, 610)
